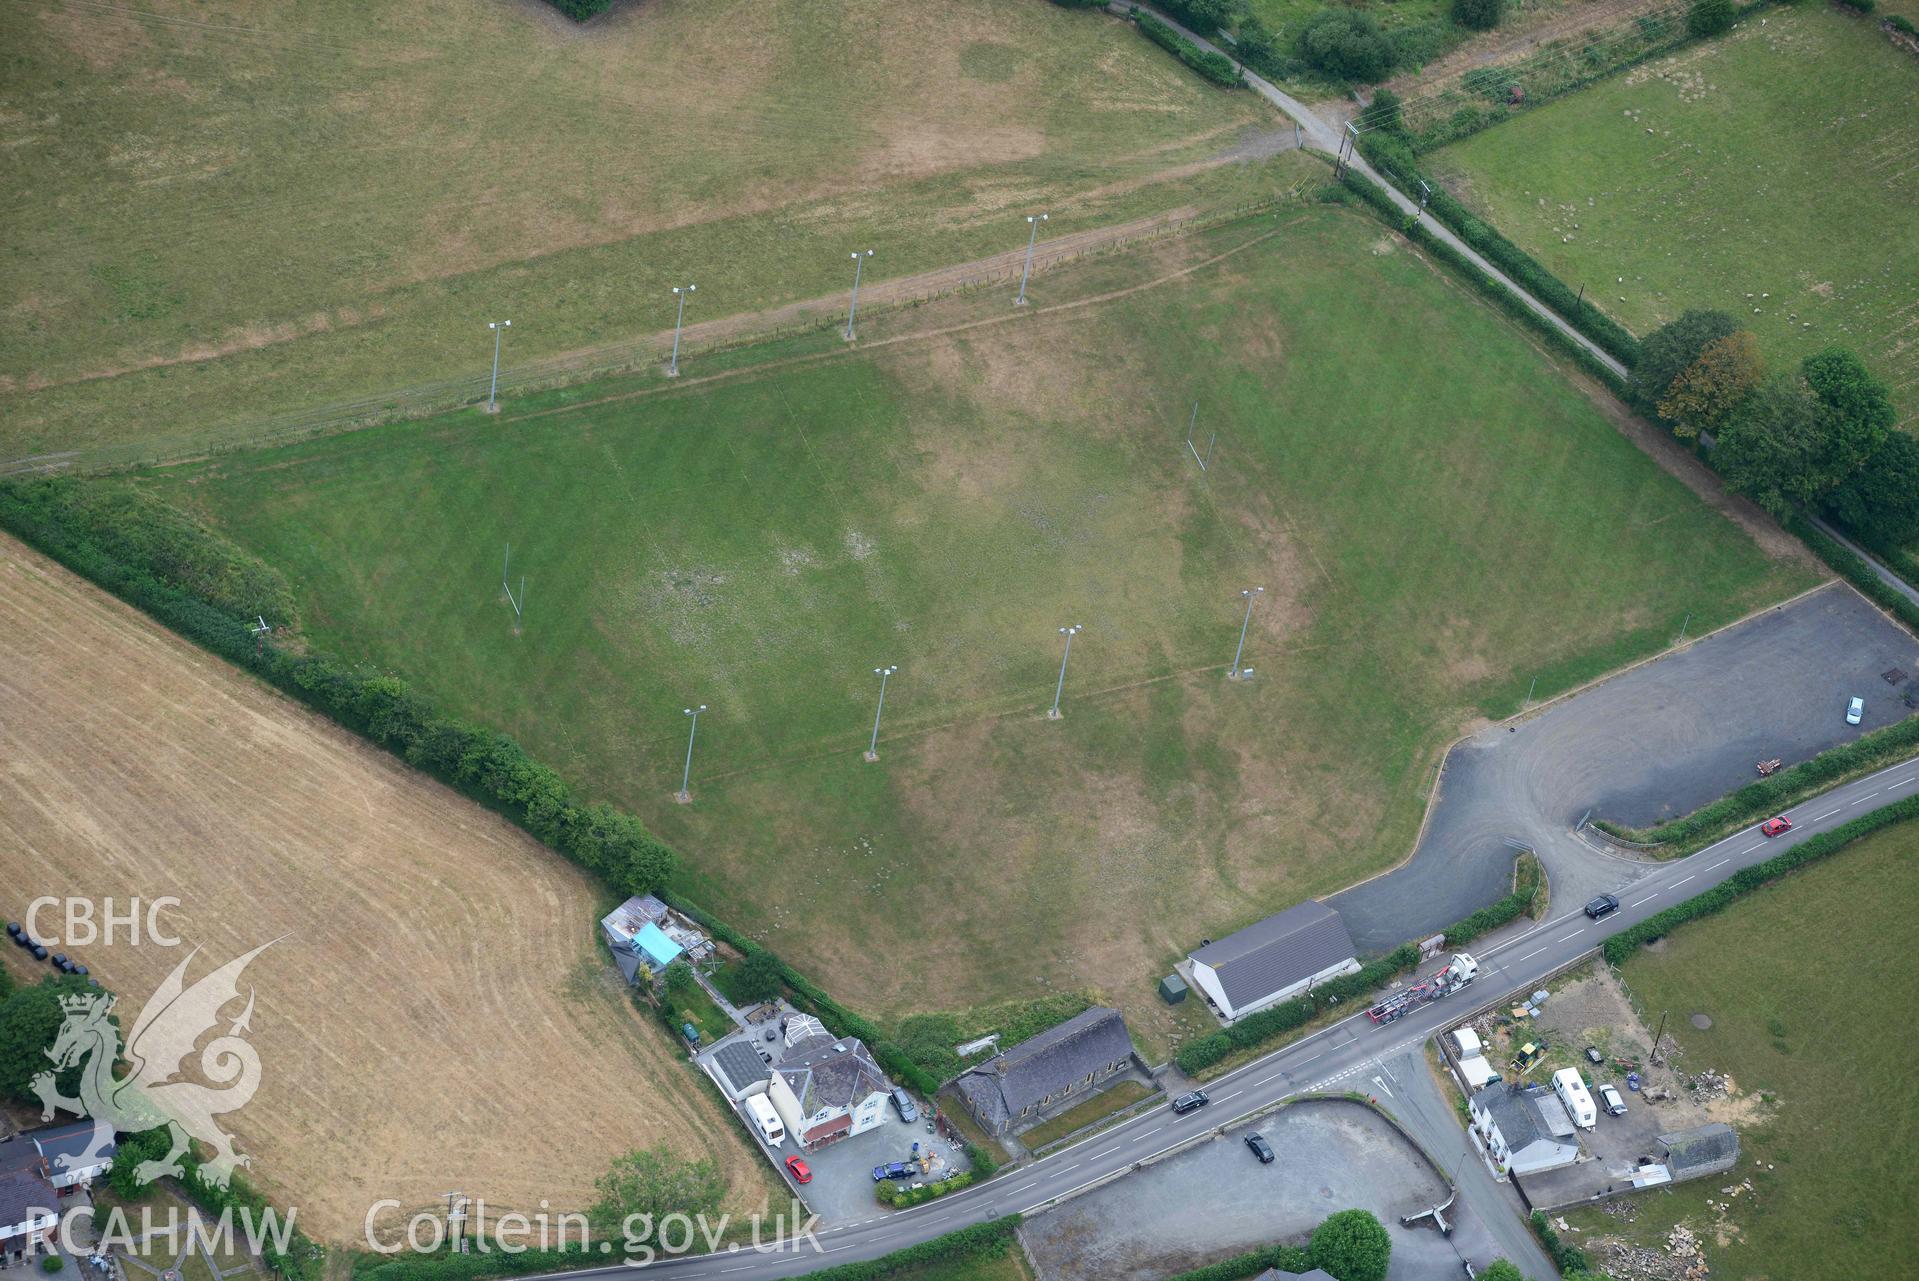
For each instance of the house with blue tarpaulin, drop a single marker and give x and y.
(643, 931)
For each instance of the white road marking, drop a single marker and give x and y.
(1575, 934)
(1535, 952)
(1721, 863)
(1681, 881)
(1750, 848)
(742, 1268)
(1649, 898)
(1902, 782)
(1862, 800)
(1235, 1094)
(1310, 1057)
(1828, 814)
(1382, 1085)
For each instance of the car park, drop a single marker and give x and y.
(1609, 1099)
(1774, 826)
(904, 1102)
(1855, 711)
(1190, 1102)
(1600, 906)
(801, 1172)
(893, 1170)
(1261, 1148)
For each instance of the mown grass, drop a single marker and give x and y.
(237, 211)
(1436, 514)
(1795, 980)
(1767, 174)
(1102, 1105)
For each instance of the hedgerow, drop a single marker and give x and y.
(891, 1193)
(1211, 66)
(1768, 796)
(1748, 879)
(1284, 1258)
(1855, 570)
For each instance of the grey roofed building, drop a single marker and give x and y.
(70, 1153)
(740, 1067)
(1516, 1130)
(824, 1073)
(1704, 1149)
(1271, 959)
(19, 1154)
(26, 1198)
(1047, 1069)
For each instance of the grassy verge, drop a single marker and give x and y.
(1768, 796)
(1098, 1108)
(1794, 979)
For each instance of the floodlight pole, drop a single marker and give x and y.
(673, 365)
(1068, 633)
(852, 310)
(1251, 594)
(499, 328)
(1031, 240)
(873, 748)
(686, 775)
(260, 630)
(1683, 626)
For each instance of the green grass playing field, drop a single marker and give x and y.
(221, 211)
(1796, 982)
(1436, 512)
(1770, 174)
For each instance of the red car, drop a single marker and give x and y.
(1774, 826)
(798, 1169)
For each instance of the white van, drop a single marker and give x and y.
(766, 1120)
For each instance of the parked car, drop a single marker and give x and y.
(1261, 1148)
(893, 1170)
(801, 1172)
(1600, 906)
(1593, 1055)
(1855, 711)
(1774, 826)
(904, 1102)
(1610, 1099)
(1190, 1102)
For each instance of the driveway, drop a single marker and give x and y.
(1658, 741)
(1215, 1200)
(842, 1188)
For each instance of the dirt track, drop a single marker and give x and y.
(436, 1016)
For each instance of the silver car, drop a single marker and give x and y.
(1855, 711)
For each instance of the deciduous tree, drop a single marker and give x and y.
(1709, 18)
(30, 1020)
(1667, 352)
(646, 1186)
(1881, 499)
(1501, 1270)
(1856, 411)
(1704, 395)
(1351, 1246)
(1479, 15)
(1771, 450)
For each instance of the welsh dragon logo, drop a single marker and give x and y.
(163, 1038)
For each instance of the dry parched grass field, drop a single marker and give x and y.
(436, 1014)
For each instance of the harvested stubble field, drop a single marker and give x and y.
(436, 1013)
(1771, 174)
(1435, 511)
(240, 209)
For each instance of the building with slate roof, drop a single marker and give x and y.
(29, 1207)
(825, 1090)
(76, 1153)
(1272, 960)
(1519, 1132)
(1019, 1086)
(1702, 1150)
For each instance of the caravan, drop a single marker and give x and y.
(766, 1120)
(1579, 1103)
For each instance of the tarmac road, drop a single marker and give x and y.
(1344, 1056)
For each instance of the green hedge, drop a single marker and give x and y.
(303, 1260)
(1788, 787)
(967, 1243)
(1211, 66)
(1285, 1258)
(1746, 880)
(581, 10)
(1415, 230)
(1851, 567)
(485, 765)
(1393, 156)
(443, 1265)
(1567, 1258)
(1276, 1020)
(890, 1193)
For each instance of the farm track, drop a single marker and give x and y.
(435, 1005)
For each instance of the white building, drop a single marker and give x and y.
(1524, 1131)
(825, 1090)
(1276, 958)
(29, 1207)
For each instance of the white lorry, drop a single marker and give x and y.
(766, 1120)
(1573, 1093)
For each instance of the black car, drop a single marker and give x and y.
(893, 1170)
(1190, 1102)
(1600, 906)
(1261, 1148)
